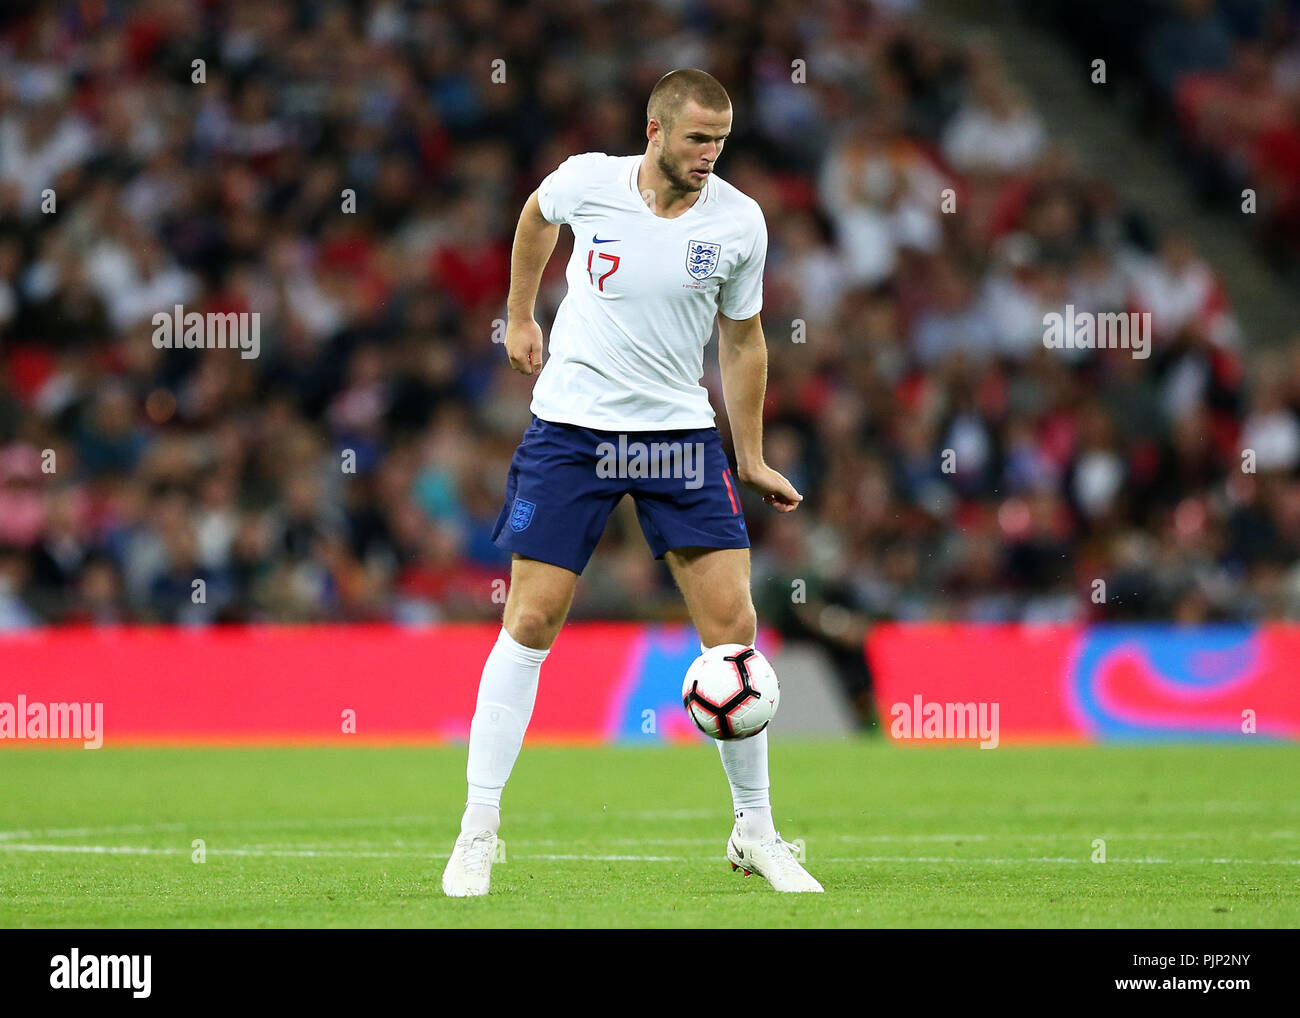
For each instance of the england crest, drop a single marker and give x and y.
(521, 515)
(702, 258)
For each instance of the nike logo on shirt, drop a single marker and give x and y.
(607, 240)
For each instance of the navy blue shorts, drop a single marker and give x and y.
(565, 480)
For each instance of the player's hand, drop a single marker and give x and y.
(775, 489)
(524, 345)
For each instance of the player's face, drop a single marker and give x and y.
(687, 153)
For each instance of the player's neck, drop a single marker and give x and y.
(660, 196)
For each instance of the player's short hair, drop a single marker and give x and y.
(676, 88)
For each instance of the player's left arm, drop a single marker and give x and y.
(742, 357)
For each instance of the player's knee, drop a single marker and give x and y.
(734, 623)
(533, 625)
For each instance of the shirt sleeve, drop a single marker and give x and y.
(742, 293)
(562, 191)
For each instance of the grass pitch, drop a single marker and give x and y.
(1194, 835)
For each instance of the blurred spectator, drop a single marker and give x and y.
(1221, 80)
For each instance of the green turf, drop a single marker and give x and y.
(1204, 835)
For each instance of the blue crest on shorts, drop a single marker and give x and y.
(702, 258)
(521, 515)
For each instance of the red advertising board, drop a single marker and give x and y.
(1093, 683)
(614, 681)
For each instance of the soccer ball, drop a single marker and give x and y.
(731, 692)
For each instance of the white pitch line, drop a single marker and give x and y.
(143, 850)
(420, 843)
(864, 817)
(849, 838)
(1017, 836)
(330, 822)
(609, 858)
(89, 849)
(81, 832)
(582, 857)
(327, 849)
(958, 860)
(1073, 809)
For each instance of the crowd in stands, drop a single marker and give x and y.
(1222, 79)
(923, 221)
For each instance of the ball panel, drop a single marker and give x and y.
(704, 720)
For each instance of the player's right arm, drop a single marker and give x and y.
(535, 239)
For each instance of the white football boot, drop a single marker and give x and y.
(771, 858)
(469, 870)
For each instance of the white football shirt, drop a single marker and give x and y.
(626, 350)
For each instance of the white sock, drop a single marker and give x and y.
(506, 694)
(745, 761)
(755, 823)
